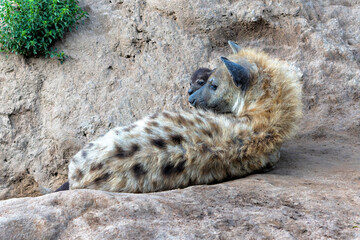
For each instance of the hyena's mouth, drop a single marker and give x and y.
(193, 102)
(197, 103)
(202, 105)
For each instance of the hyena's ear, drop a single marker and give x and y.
(234, 47)
(211, 72)
(240, 75)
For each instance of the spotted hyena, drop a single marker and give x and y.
(250, 104)
(198, 79)
(201, 75)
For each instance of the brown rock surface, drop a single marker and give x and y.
(131, 58)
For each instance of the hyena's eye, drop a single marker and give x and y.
(213, 87)
(200, 82)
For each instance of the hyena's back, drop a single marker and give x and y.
(165, 151)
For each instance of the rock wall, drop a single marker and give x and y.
(131, 58)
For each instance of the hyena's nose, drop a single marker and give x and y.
(190, 91)
(192, 100)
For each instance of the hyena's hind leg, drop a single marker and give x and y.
(272, 160)
(63, 187)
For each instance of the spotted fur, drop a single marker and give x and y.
(177, 149)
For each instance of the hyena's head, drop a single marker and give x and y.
(201, 75)
(225, 90)
(199, 78)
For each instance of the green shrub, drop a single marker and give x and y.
(30, 27)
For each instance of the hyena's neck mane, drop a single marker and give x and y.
(272, 104)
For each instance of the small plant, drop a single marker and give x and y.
(30, 27)
(356, 225)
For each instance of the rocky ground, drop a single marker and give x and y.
(314, 193)
(131, 58)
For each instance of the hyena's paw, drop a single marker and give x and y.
(273, 158)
